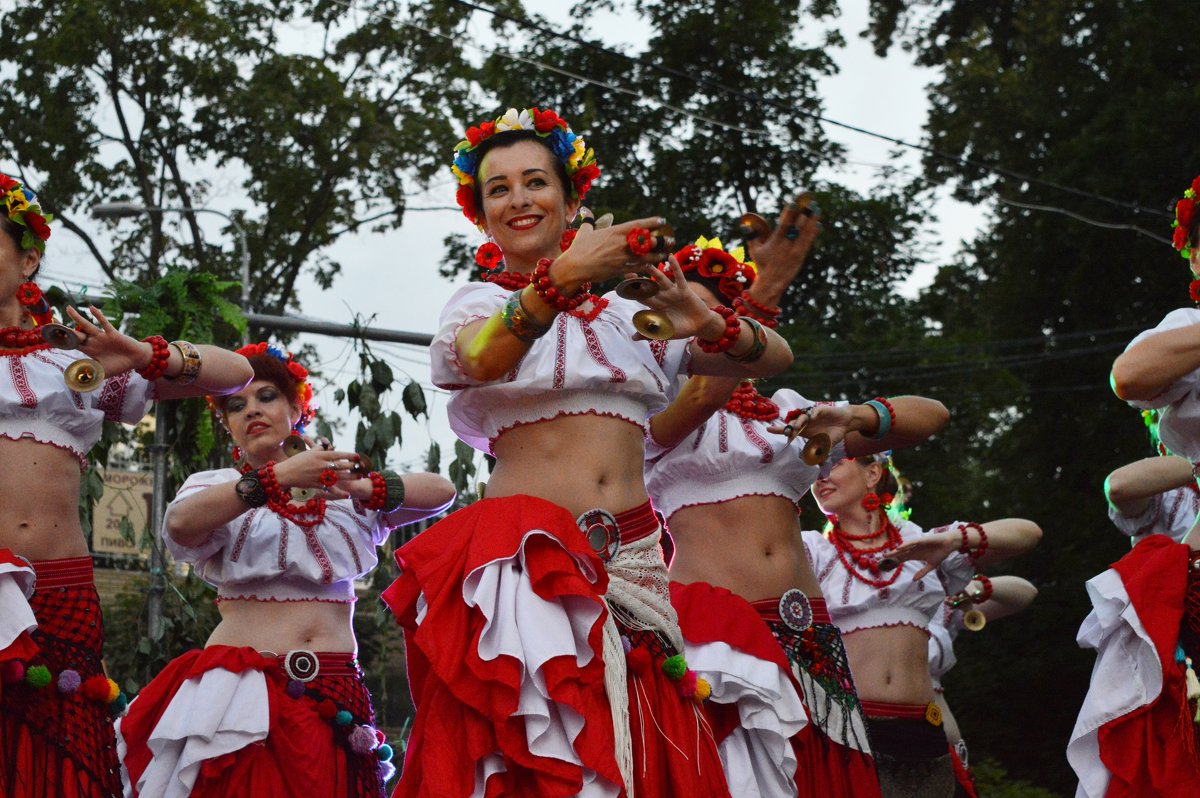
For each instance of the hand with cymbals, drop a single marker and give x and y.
(115, 351)
(326, 470)
(780, 255)
(684, 312)
(599, 254)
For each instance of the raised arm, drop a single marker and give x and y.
(1132, 488)
(699, 398)
(1153, 364)
(1010, 595)
(425, 495)
(1006, 538)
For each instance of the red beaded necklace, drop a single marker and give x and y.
(21, 339)
(867, 559)
(514, 280)
(307, 515)
(747, 402)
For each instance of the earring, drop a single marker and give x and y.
(237, 454)
(31, 298)
(870, 502)
(489, 256)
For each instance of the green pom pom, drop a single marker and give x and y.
(342, 718)
(38, 676)
(674, 667)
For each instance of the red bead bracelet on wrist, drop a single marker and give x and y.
(985, 586)
(157, 366)
(378, 492)
(746, 305)
(965, 548)
(891, 410)
(733, 329)
(550, 295)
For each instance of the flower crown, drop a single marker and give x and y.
(570, 149)
(299, 374)
(22, 207)
(707, 258)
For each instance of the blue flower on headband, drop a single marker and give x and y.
(467, 162)
(562, 143)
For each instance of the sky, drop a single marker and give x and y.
(393, 276)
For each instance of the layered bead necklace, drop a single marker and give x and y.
(747, 402)
(22, 340)
(511, 281)
(307, 515)
(863, 563)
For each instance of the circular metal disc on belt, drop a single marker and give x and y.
(600, 529)
(795, 610)
(301, 665)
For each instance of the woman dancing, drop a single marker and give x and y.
(1156, 495)
(749, 604)
(884, 584)
(1135, 734)
(543, 654)
(56, 734)
(275, 703)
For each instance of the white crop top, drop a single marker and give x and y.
(1179, 404)
(262, 556)
(728, 457)
(943, 630)
(1171, 513)
(588, 364)
(36, 403)
(855, 605)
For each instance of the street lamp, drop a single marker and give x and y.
(124, 210)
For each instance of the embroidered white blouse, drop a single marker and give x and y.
(1171, 513)
(728, 457)
(262, 556)
(1179, 404)
(36, 403)
(588, 364)
(855, 605)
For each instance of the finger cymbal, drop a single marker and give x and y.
(637, 288)
(653, 324)
(84, 376)
(60, 336)
(294, 445)
(753, 226)
(817, 449)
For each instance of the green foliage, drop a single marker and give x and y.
(992, 781)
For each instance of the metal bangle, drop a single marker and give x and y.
(395, 490)
(518, 321)
(191, 363)
(758, 347)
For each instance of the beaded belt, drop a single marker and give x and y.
(302, 665)
(879, 710)
(794, 609)
(606, 532)
(71, 572)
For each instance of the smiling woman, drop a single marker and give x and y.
(283, 538)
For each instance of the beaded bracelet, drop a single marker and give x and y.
(519, 322)
(965, 548)
(758, 347)
(191, 363)
(550, 295)
(733, 330)
(985, 588)
(749, 307)
(887, 416)
(160, 354)
(379, 489)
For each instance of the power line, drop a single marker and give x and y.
(1078, 217)
(788, 109)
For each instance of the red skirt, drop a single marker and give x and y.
(305, 753)
(56, 743)
(503, 609)
(831, 751)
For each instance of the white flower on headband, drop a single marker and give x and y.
(514, 120)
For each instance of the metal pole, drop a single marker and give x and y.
(158, 460)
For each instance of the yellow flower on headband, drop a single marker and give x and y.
(464, 179)
(16, 201)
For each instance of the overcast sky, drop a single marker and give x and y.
(393, 276)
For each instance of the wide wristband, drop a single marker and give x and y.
(887, 416)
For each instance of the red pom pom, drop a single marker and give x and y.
(870, 502)
(639, 661)
(96, 688)
(466, 200)
(489, 256)
(326, 710)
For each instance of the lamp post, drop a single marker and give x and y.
(123, 210)
(158, 450)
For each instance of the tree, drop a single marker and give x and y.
(1074, 100)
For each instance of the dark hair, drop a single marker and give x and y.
(887, 482)
(713, 284)
(271, 369)
(16, 232)
(508, 139)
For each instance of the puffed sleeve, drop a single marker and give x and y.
(1142, 524)
(471, 303)
(1185, 385)
(125, 398)
(218, 536)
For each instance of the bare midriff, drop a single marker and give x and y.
(750, 546)
(39, 501)
(578, 462)
(282, 626)
(890, 664)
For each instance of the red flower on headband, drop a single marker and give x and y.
(298, 372)
(37, 225)
(1180, 237)
(1194, 291)
(545, 121)
(730, 287)
(466, 200)
(489, 256)
(483, 132)
(1185, 209)
(1196, 185)
(716, 263)
(584, 177)
(7, 183)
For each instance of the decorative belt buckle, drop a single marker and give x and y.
(600, 529)
(301, 665)
(933, 714)
(795, 610)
